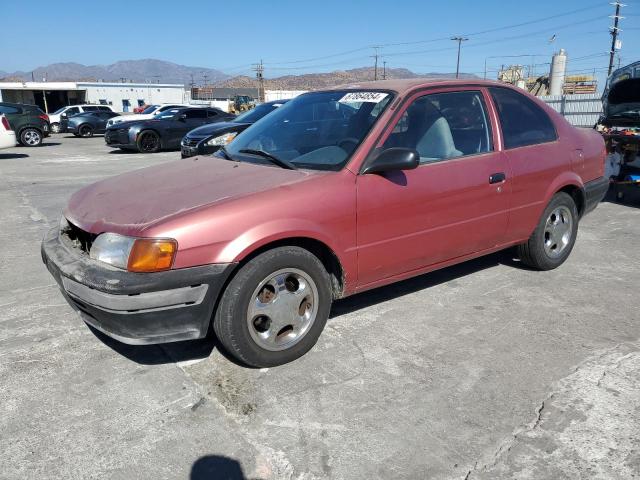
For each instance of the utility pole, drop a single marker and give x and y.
(459, 40)
(205, 77)
(384, 69)
(259, 68)
(375, 64)
(614, 34)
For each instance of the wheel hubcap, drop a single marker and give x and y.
(31, 137)
(282, 309)
(558, 231)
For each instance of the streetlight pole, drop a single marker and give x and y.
(459, 40)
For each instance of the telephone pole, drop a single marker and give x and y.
(614, 34)
(259, 68)
(384, 69)
(459, 40)
(375, 64)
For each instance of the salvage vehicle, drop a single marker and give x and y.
(620, 127)
(29, 123)
(56, 117)
(207, 139)
(335, 193)
(86, 124)
(147, 114)
(7, 135)
(164, 131)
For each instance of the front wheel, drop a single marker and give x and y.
(553, 239)
(148, 142)
(275, 307)
(55, 127)
(85, 131)
(31, 137)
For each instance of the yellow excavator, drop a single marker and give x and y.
(241, 103)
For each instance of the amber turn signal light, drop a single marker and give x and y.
(152, 255)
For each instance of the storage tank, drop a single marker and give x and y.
(558, 71)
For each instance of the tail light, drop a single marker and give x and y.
(5, 123)
(44, 117)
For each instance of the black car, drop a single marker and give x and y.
(207, 139)
(86, 124)
(164, 131)
(29, 122)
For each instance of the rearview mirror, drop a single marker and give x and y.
(395, 158)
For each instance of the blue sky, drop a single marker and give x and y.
(326, 35)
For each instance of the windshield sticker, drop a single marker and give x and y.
(371, 97)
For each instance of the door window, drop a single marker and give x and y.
(444, 125)
(72, 111)
(523, 122)
(195, 114)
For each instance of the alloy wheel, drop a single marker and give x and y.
(558, 230)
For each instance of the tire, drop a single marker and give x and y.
(31, 137)
(55, 127)
(148, 142)
(85, 131)
(555, 235)
(263, 326)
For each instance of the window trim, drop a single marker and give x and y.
(498, 120)
(490, 113)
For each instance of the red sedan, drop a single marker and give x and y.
(334, 193)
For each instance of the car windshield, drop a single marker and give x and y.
(317, 130)
(150, 109)
(59, 111)
(167, 114)
(257, 113)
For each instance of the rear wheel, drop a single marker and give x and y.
(31, 137)
(148, 142)
(85, 131)
(553, 239)
(274, 308)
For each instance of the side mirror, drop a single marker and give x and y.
(183, 117)
(395, 158)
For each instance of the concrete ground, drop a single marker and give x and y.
(484, 371)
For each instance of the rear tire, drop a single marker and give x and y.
(55, 127)
(148, 142)
(274, 308)
(554, 237)
(85, 131)
(31, 137)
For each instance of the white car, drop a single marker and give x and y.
(7, 135)
(54, 118)
(147, 114)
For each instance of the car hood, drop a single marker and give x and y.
(213, 128)
(130, 203)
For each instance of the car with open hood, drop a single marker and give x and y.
(162, 132)
(334, 193)
(208, 139)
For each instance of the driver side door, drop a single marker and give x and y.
(453, 204)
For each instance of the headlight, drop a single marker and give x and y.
(221, 140)
(134, 254)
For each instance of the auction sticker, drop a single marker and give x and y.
(371, 97)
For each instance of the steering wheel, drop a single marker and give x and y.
(348, 144)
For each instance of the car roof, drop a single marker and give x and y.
(276, 102)
(405, 85)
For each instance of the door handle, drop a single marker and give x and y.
(497, 178)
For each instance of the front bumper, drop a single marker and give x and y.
(200, 148)
(136, 308)
(594, 192)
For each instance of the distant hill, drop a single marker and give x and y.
(146, 70)
(313, 81)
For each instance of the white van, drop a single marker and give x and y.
(54, 118)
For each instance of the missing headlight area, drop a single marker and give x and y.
(75, 237)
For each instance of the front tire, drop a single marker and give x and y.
(554, 237)
(148, 142)
(55, 127)
(275, 307)
(31, 137)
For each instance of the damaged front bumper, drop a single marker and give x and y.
(135, 308)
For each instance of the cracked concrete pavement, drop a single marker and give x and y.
(443, 376)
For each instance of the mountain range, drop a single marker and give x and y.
(152, 70)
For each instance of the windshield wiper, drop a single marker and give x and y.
(278, 161)
(225, 154)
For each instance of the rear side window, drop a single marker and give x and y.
(193, 113)
(523, 122)
(8, 109)
(90, 109)
(212, 113)
(104, 109)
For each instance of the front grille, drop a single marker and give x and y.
(190, 141)
(77, 238)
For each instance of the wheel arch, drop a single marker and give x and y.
(578, 194)
(319, 248)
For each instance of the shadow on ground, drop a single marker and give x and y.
(9, 156)
(215, 467)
